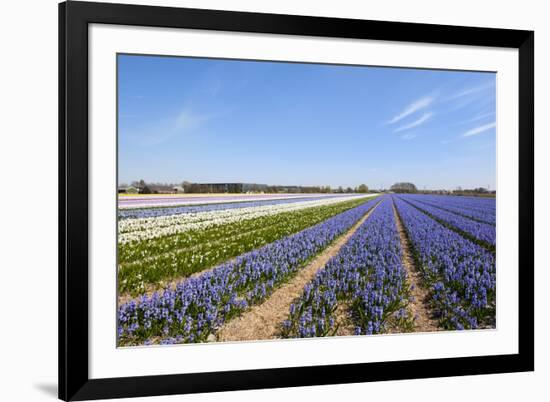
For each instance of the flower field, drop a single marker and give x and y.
(187, 267)
(151, 201)
(153, 254)
(477, 231)
(459, 273)
(366, 275)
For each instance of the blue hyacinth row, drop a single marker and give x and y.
(480, 209)
(479, 231)
(460, 273)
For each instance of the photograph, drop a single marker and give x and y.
(267, 200)
(275, 201)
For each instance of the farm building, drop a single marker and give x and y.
(128, 190)
(227, 187)
(161, 188)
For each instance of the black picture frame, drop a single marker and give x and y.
(74, 18)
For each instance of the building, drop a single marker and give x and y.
(128, 190)
(290, 189)
(227, 187)
(160, 189)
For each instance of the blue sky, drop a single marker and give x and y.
(205, 120)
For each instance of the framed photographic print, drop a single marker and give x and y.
(257, 200)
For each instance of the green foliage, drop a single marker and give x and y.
(404, 188)
(150, 262)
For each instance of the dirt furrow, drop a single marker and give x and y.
(418, 303)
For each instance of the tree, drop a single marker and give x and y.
(340, 189)
(362, 188)
(404, 187)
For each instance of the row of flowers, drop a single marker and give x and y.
(460, 274)
(366, 279)
(477, 231)
(150, 228)
(160, 260)
(195, 308)
(479, 209)
(152, 212)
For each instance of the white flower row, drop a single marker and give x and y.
(137, 224)
(149, 228)
(136, 202)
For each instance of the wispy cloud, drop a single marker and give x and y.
(187, 120)
(421, 120)
(478, 117)
(479, 95)
(415, 106)
(471, 91)
(479, 129)
(407, 137)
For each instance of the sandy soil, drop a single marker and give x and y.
(344, 323)
(264, 320)
(418, 305)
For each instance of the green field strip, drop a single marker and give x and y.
(153, 261)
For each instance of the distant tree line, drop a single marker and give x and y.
(233, 187)
(404, 187)
(188, 187)
(142, 187)
(197, 188)
(298, 189)
(478, 191)
(363, 188)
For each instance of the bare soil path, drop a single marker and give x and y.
(263, 321)
(418, 305)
